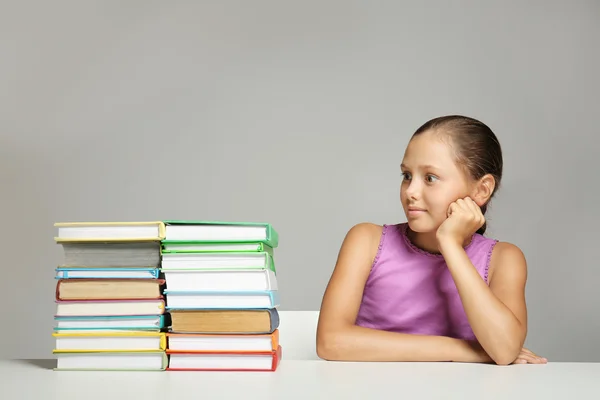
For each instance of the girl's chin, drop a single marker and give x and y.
(422, 226)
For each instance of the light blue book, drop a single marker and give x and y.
(207, 299)
(109, 323)
(106, 273)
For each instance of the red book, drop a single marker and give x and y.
(224, 360)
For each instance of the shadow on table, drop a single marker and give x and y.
(40, 363)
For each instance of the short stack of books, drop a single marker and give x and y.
(222, 296)
(110, 306)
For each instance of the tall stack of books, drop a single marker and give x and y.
(110, 306)
(222, 296)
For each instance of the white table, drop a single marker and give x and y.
(310, 379)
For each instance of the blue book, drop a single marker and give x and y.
(207, 299)
(106, 273)
(109, 323)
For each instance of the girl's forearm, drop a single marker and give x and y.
(497, 329)
(357, 343)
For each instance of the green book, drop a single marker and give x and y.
(217, 261)
(186, 246)
(220, 232)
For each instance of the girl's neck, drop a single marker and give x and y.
(425, 241)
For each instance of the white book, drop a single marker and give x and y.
(110, 307)
(216, 232)
(224, 362)
(216, 260)
(113, 341)
(84, 361)
(111, 231)
(108, 322)
(221, 300)
(191, 342)
(228, 280)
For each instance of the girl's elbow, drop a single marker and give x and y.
(506, 355)
(504, 359)
(324, 352)
(325, 349)
(328, 346)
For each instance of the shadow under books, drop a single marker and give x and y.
(40, 363)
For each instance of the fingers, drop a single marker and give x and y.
(528, 357)
(467, 205)
(530, 360)
(527, 351)
(458, 205)
(531, 353)
(472, 205)
(533, 359)
(470, 208)
(453, 208)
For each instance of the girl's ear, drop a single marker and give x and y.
(483, 190)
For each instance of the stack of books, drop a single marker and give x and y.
(222, 296)
(110, 305)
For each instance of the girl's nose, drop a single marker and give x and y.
(412, 190)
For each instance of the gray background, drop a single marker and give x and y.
(295, 113)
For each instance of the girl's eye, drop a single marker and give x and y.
(430, 178)
(406, 175)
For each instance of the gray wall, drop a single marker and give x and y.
(296, 114)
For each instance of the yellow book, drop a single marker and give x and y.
(110, 231)
(130, 341)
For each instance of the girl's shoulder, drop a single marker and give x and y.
(367, 228)
(368, 234)
(506, 257)
(366, 231)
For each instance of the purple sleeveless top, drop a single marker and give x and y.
(410, 290)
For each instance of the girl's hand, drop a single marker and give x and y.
(464, 219)
(529, 357)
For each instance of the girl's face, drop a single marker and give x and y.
(431, 181)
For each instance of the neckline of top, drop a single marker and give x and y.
(404, 231)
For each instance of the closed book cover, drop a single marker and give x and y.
(72, 308)
(110, 231)
(109, 289)
(187, 246)
(227, 280)
(222, 299)
(225, 361)
(111, 361)
(221, 231)
(106, 273)
(111, 254)
(232, 321)
(110, 323)
(243, 343)
(109, 341)
(218, 261)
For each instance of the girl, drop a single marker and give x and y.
(433, 288)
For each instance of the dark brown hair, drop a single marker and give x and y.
(476, 148)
